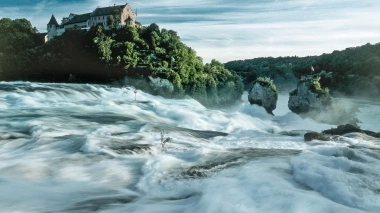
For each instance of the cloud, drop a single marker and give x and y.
(240, 29)
(10, 12)
(39, 7)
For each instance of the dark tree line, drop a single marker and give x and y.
(353, 71)
(146, 54)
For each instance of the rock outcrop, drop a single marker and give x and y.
(309, 97)
(340, 130)
(263, 93)
(309, 136)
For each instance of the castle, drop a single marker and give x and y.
(123, 15)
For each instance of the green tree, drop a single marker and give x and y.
(104, 44)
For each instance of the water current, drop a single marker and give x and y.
(95, 148)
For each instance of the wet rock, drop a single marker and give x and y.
(309, 136)
(349, 128)
(309, 97)
(340, 130)
(312, 135)
(263, 93)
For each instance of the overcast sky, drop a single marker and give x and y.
(235, 29)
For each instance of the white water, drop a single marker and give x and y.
(92, 148)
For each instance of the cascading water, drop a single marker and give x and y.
(94, 148)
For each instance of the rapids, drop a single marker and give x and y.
(94, 148)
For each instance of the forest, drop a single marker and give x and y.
(155, 60)
(354, 71)
(148, 58)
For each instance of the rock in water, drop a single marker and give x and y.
(309, 97)
(339, 130)
(309, 136)
(349, 128)
(263, 93)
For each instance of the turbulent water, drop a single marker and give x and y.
(94, 148)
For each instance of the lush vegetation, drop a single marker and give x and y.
(313, 85)
(278, 69)
(146, 56)
(267, 82)
(353, 71)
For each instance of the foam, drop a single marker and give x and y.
(72, 147)
(341, 174)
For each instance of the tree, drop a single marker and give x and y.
(130, 58)
(114, 19)
(92, 56)
(64, 20)
(16, 35)
(110, 21)
(104, 44)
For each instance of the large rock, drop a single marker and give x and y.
(316, 136)
(263, 93)
(309, 97)
(339, 130)
(349, 128)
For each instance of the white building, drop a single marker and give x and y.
(52, 27)
(123, 14)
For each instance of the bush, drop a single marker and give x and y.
(266, 81)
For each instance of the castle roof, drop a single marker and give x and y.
(79, 19)
(103, 11)
(53, 21)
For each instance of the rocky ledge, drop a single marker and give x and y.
(340, 130)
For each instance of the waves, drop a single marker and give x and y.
(345, 175)
(94, 148)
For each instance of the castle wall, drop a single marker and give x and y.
(52, 32)
(127, 12)
(85, 24)
(95, 20)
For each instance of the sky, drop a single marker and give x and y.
(235, 29)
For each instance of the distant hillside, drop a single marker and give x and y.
(151, 58)
(353, 71)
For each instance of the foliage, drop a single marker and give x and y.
(315, 86)
(150, 54)
(104, 44)
(17, 35)
(267, 82)
(353, 71)
(114, 19)
(17, 40)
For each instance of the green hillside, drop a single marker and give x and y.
(150, 58)
(353, 71)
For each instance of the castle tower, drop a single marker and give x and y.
(52, 27)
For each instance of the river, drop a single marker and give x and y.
(94, 148)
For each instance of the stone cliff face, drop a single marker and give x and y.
(308, 99)
(262, 95)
